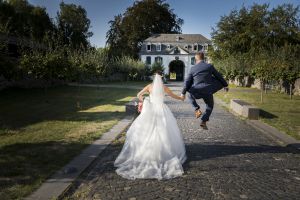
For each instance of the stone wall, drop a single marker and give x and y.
(255, 83)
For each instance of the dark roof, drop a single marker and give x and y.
(184, 38)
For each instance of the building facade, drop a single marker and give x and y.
(175, 51)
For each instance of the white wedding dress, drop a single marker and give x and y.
(154, 147)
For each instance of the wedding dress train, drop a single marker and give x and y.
(154, 146)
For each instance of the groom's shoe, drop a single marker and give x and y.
(198, 113)
(203, 125)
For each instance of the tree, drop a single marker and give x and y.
(250, 39)
(289, 65)
(73, 25)
(24, 20)
(144, 18)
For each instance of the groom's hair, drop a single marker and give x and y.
(200, 55)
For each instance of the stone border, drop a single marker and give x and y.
(62, 179)
(244, 109)
(271, 132)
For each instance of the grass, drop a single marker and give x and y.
(277, 109)
(127, 83)
(42, 131)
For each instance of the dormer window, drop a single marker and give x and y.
(186, 46)
(148, 47)
(195, 47)
(169, 46)
(158, 47)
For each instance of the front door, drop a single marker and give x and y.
(176, 69)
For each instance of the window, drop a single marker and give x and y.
(195, 47)
(201, 48)
(176, 51)
(158, 47)
(158, 59)
(193, 61)
(186, 46)
(169, 46)
(148, 60)
(148, 47)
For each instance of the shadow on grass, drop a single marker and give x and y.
(20, 108)
(266, 115)
(24, 165)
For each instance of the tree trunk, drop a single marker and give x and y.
(265, 88)
(291, 87)
(262, 86)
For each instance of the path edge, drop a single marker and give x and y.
(271, 132)
(58, 183)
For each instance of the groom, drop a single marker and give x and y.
(202, 82)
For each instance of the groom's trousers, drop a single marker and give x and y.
(208, 100)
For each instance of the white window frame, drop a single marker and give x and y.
(158, 47)
(149, 44)
(158, 59)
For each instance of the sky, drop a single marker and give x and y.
(199, 16)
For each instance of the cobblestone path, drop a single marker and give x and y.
(230, 160)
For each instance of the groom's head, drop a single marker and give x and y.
(199, 56)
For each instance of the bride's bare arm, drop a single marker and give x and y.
(170, 93)
(143, 91)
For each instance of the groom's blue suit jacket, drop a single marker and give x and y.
(203, 79)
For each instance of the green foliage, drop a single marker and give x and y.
(157, 66)
(70, 65)
(22, 19)
(258, 42)
(46, 65)
(126, 65)
(8, 67)
(74, 25)
(144, 18)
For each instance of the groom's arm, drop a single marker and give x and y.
(218, 76)
(188, 83)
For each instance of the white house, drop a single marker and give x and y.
(175, 51)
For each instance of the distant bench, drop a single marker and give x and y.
(244, 109)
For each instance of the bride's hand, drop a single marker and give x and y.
(182, 97)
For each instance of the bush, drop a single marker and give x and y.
(132, 69)
(46, 65)
(157, 66)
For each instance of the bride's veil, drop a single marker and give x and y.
(157, 95)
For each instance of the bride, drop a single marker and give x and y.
(154, 146)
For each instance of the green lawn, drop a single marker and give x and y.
(128, 83)
(277, 109)
(40, 132)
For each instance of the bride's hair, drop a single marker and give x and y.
(159, 72)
